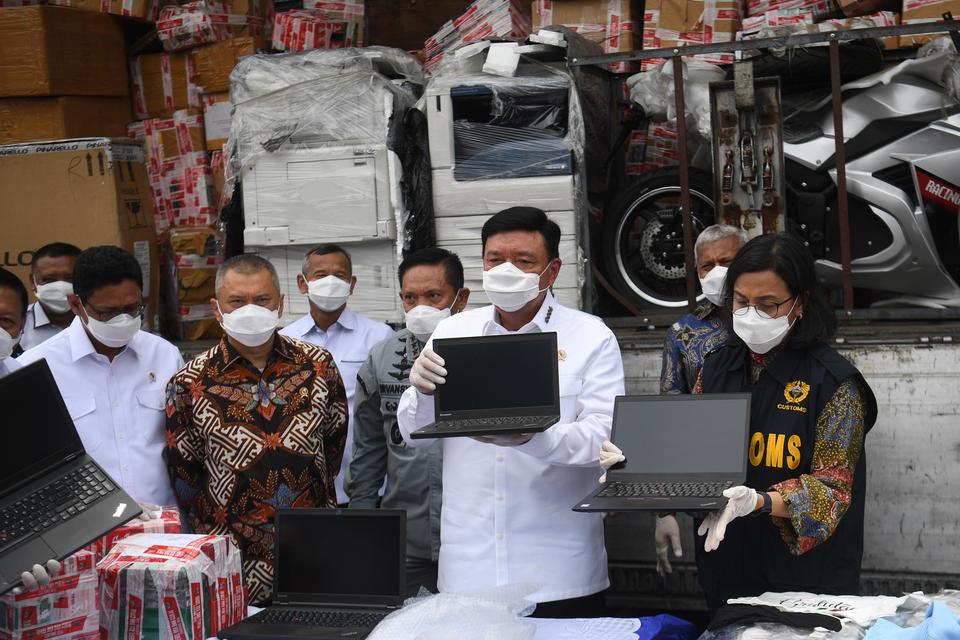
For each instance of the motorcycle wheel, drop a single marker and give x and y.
(642, 237)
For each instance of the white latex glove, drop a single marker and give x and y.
(610, 455)
(667, 534)
(741, 501)
(39, 575)
(427, 372)
(149, 511)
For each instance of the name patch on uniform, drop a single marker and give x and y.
(795, 392)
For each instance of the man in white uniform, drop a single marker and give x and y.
(51, 274)
(506, 514)
(328, 280)
(113, 375)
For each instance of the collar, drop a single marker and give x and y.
(347, 320)
(228, 354)
(778, 363)
(80, 344)
(705, 310)
(541, 321)
(40, 317)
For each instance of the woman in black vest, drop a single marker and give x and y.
(797, 525)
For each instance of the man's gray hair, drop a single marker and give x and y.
(715, 233)
(247, 264)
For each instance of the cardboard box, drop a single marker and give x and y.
(187, 587)
(217, 115)
(616, 25)
(143, 9)
(49, 51)
(27, 119)
(854, 8)
(163, 83)
(168, 522)
(920, 11)
(86, 192)
(214, 62)
(65, 609)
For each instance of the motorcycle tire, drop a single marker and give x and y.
(642, 237)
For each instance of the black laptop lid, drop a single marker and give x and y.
(39, 431)
(683, 434)
(340, 556)
(514, 374)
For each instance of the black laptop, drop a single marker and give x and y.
(54, 499)
(682, 451)
(496, 385)
(337, 573)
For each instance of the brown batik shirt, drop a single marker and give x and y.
(242, 443)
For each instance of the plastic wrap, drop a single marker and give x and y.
(482, 19)
(494, 613)
(374, 265)
(654, 91)
(170, 586)
(199, 22)
(780, 23)
(168, 522)
(305, 29)
(65, 609)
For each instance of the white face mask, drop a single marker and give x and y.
(509, 288)
(762, 334)
(7, 343)
(423, 319)
(116, 332)
(712, 285)
(53, 295)
(329, 293)
(251, 325)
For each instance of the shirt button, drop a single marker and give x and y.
(126, 467)
(120, 436)
(499, 457)
(500, 498)
(499, 536)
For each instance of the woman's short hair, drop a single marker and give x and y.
(790, 259)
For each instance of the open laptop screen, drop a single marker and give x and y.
(341, 555)
(683, 433)
(38, 429)
(498, 372)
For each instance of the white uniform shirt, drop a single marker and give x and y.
(118, 407)
(9, 365)
(349, 341)
(38, 327)
(506, 514)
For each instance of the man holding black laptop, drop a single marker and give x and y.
(506, 514)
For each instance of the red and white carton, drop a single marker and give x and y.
(66, 609)
(168, 522)
(482, 19)
(182, 586)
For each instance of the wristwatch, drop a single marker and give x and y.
(767, 505)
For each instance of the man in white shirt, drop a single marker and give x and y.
(13, 308)
(51, 275)
(113, 375)
(328, 280)
(506, 514)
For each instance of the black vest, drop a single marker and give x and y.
(785, 402)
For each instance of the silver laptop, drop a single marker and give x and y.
(681, 452)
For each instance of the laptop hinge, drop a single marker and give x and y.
(335, 605)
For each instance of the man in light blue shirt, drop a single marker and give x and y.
(327, 279)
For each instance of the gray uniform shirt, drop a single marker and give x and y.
(413, 475)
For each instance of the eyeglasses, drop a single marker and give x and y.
(765, 310)
(105, 315)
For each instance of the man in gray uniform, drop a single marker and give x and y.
(431, 288)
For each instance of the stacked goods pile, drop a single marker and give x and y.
(168, 522)
(199, 22)
(320, 25)
(483, 19)
(679, 23)
(616, 24)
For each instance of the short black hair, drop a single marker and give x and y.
(789, 258)
(524, 219)
(325, 250)
(247, 264)
(9, 281)
(55, 250)
(452, 267)
(101, 266)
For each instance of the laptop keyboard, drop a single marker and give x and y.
(320, 617)
(58, 501)
(669, 489)
(492, 422)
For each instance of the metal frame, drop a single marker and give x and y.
(834, 38)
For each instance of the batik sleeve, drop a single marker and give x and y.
(184, 450)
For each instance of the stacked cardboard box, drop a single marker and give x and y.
(105, 184)
(61, 75)
(805, 21)
(678, 23)
(66, 609)
(170, 586)
(194, 255)
(482, 19)
(143, 9)
(920, 11)
(616, 24)
(168, 522)
(199, 22)
(320, 25)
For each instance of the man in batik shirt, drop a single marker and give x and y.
(255, 424)
(696, 334)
